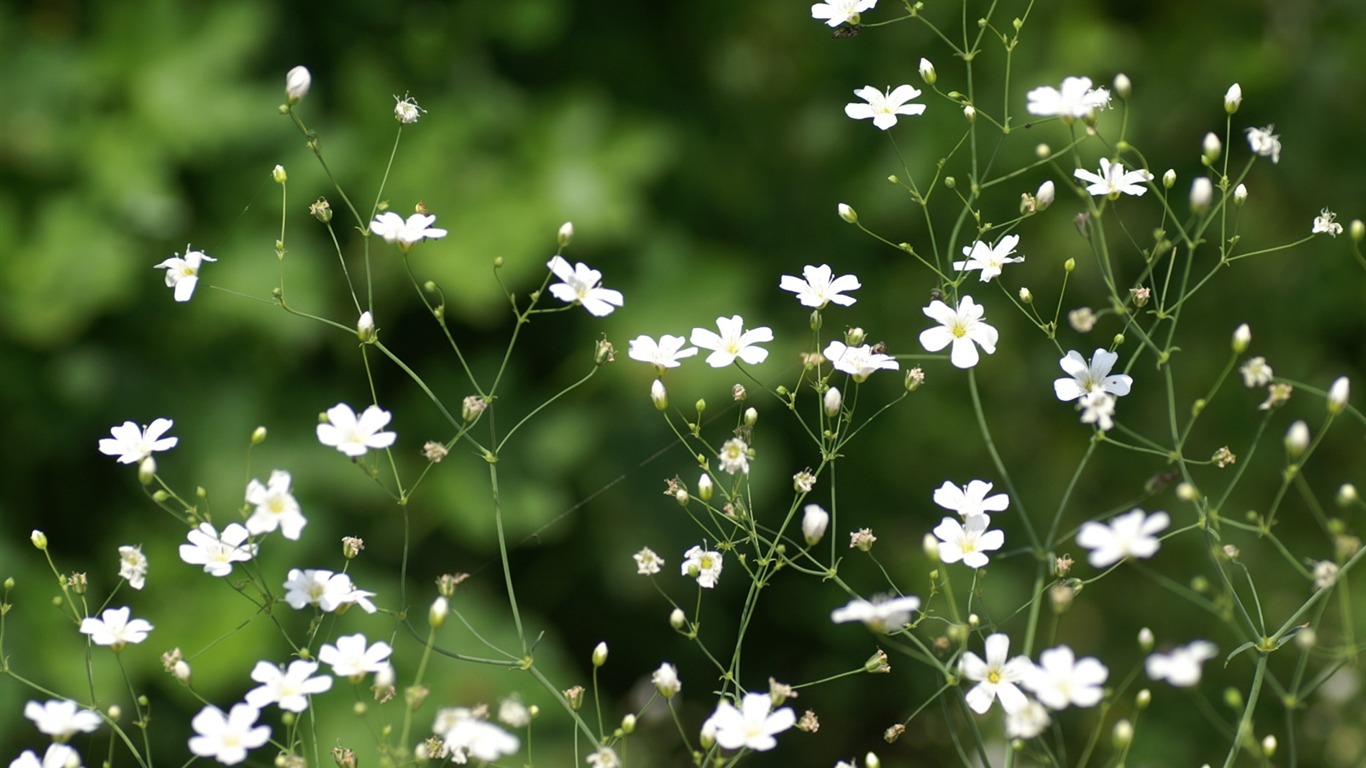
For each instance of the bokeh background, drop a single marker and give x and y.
(700, 149)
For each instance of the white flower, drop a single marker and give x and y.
(837, 12)
(513, 713)
(703, 565)
(970, 500)
(604, 757)
(996, 677)
(1083, 378)
(666, 680)
(353, 657)
(732, 342)
(647, 562)
(734, 456)
(62, 718)
(1131, 534)
(1028, 722)
(297, 82)
(217, 552)
(859, 362)
(580, 286)
(394, 229)
(354, 436)
(1325, 224)
(182, 274)
(1059, 680)
(467, 735)
(752, 726)
(1076, 99)
(962, 327)
(275, 507)
(1112, 181)
(226, 738)
(662, 354)
(1181, 667)
(326, 590)
(989, 259)
(133, 566)
(968, 541)
(1325, 574)
(406, 110)
(113, 628)
(882, 107)
(57, 756)
(1265, 143)
(133, 444)
(814, 522)
(816, 288)
(885, 615)
(1097, 408)
(289, 688)
(1256, 373)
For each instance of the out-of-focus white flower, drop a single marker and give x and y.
(884, 615)
(753, 726)
(1075, 99)
(1132, 534)
(1181, 667)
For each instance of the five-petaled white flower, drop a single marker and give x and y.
(604, 757)
(884, 614)
(354, 436)
(352, 657)
(467, 735)
(1028, 722)
(62, 718)
(734, 456)
(1097, 407)
(1060, 680)
(859, 362)
(287, 688)
(114, 629)
(752, 726)
(1076, 99)
(217, 552)
(394, 229)
(1265, 143)
(817, 287)
(733, 341)
(882, 107)
(1181, 667)
(133, 566)
(227, 737)
(703, 565)
(1083, 378)
(1113, 181)
(182, 273)
(1256, 373)
(275, 507)
(1325, 223)
(662, 354)
(968, 541)
(580, 286)
(133, 444)
(962, 327)
(327, 590)
(970, 500)
(837, 12)
(56, 756)
(989, 259)
(1132, 534)
(647, 562)
(997, 677)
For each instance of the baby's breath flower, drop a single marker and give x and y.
(1256, 373)
(968, 540)
(814, 522)
(1061, 680)
(963, 328)
(837, 12)
(581, 285)
(1297, 439)
(406, 110)
(1326, 223)
(1233, 98)
(182, 273)
(133, 566)
(1202, 192)
(1113, 180)
(1242, 336)
(62, 718)
(1224, 457)
(297, 82)
(818, 286)
(997, 677)
(132, 444)
(703, 565)
(1132, 534)
(732, 342)
(647, 562)
(1181, 667)
(753, 726)
(1265, 143)
(883, 614)
(666, 681)
(1240, 194)
(115, 629)
(882, 107)
(1276, 394)
(862, 539)
(1075, 99)
(1325, 574)
(1082, 319)
(734, 456)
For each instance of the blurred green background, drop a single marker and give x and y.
(700, 149)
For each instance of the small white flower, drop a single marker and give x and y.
(1113, 181)
(406, 110)
(963, 328)
(133, 566)
(662, 354)
(114, 628)
(467, 735)
(354, 436)
(732, 342)
(1265, 143)
(1325, 574)
(1325, 224)
(226, 738)
(217, 552)
(647, 562)
(1097, 408)
(580, 286)
(989, 259)
(182, 274)
(62, 718)
(513, 713)
(818, 287)
(604, 757)
(1083, 377)
(1256, 373)
(57, 756)
(394, 229)
(133, 444)
(734, 456)
(884, 615)
(1076, 99)
(859, 362)
(289, 688)
(1132, 534)
(1181, 667)
(352, 657)
(970, 500)
(327, 590)
(703, 565)
(968, 541)
(1060, 680)
(275, 507)
(753, 726)
(837, 12)
(666, 680)
(1028, 722)
(883, 107)
(997, 677)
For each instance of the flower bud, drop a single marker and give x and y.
(855, 337)
(704, 487)
(833, 401)
(365, 328)
(181, 670)
(603, 352)
(751, 416)
(1242, 336)
(1347, 495)
(1143, 699)
(1338, 394)
(1145, 639)
(1202, 192)
(147, 470)
(927, 72)
(1026, 296)
(1169, 178)
(628, 723)
(1358, 230)
(1043, 151)
(814, 521)
(436, 615)
(39, 540)
(1044, 197)
(297, 83)
(970, 112)
(1240, 194)
(258, 435)
(659, 396)
(707, 738)
(871, 761)
(1233, 98)
(877, 664)
(1210, 149)
(848, 214)
(574, 696)
(1123, 87)
(1297, 439)
(1269, 745)
(1122, 734)
(279, 174)
(930, 545)
(566, 234)
(1069, 265)
(914, 378)
(600, 655)
(677, 618)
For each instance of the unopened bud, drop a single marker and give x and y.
(1233, 98)
(279, 174)
(848, 214)
(1169, 178)
(704, 487)
(1143, 699)
(147, 470)
(855, 337)
(436, 615)
(1338, 394)
(181, 671)
(1145, 639)
(1347, 495)
(970, 112)
(659, 396)
(1122, 86)
(833, 401)
(1269, 745)
(574, 696)
(751, 416)
(814, 522)
(930, 545)
(39, 540)
(677, 618)
(1297, 439)
(1069, 265)
(628, 724)
(1202, 192)
(297, 83)
(1122, 734)
(1358, 230)
(1044, 197)
(1210, 149)
(566, 234)
(365, 328)
(1240, 194)
(871, 761)
(1242, 336)
(927, 72)
(600, 655)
